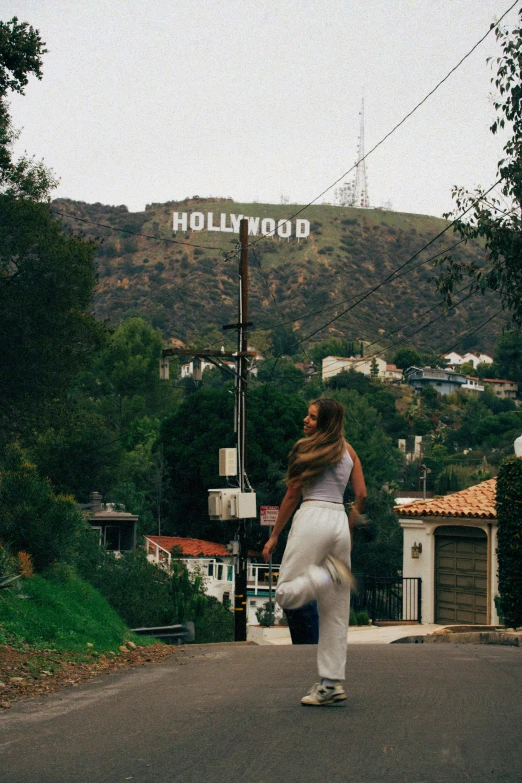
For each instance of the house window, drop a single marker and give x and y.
(226, 600)
(112, 538)
(220, 572)
(253, 603)
(231, 573)
(211, 569)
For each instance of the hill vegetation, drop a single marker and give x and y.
(185, 288)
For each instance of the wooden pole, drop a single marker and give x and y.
(240, 598)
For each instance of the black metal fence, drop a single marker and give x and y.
(388, 598)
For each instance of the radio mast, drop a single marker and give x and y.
(355, 193)
(360, 188)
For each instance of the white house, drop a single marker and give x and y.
(333, 365)
(450, 542)
(392, 373)
(216, 565)
(187, 370)
(455, 359)
(472, 384)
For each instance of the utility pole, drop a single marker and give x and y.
(240, 375)
(240, 598)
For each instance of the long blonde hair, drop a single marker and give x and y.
(310, 456)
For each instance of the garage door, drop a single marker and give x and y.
(461, 561)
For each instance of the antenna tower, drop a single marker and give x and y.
(355, 193)
(360, 187)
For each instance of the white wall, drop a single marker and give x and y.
(333, 365)
(416, 531)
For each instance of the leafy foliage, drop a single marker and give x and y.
(145, 595)
(21, 51)
(33, 518)
(495, 219)
(509, 512)
(204, 424)
(508, 357)
(47, 335)
(407, 357)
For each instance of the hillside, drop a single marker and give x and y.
(184, 288)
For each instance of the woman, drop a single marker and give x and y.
(316, 562)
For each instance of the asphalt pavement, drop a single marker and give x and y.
(415, 714)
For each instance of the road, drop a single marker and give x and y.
(415, 714)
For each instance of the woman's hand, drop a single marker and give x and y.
(269, 547)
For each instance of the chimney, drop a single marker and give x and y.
(96, 502)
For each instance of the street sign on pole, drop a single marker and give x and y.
(268, 515)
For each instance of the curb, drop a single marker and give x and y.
(471, 637)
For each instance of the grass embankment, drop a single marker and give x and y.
(65, 615)
(53, 634)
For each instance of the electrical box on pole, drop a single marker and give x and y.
(228, 462)
(231, 503)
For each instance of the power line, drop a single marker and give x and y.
(225, 257)
(473, 332)
(406, 117)
(420, 315)
(412, 334)
(390, 276)
(387, 279)
(306, 317)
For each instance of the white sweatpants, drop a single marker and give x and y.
(319, 528)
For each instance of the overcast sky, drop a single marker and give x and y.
(152, 101)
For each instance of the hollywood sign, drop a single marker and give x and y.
(267, 227)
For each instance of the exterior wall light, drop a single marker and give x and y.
(518, 446)
(416, 550)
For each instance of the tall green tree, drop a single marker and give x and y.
(407, 357)
(47, 331)
(334, 346)
(21, 51)
(123, 381)
(106, 439)
(495, 216)
(282, 373)
(508, 357)
(204, 424)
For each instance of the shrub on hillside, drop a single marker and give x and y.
(136, 589)
(33, 518)
(145, 595)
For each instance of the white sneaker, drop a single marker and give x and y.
(324, 695)
(339, 571)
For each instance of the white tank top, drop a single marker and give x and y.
(331, 483)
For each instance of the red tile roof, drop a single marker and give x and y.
(497, 380)
(190, 547)
(476, 502)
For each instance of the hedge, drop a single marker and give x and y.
(509, 551)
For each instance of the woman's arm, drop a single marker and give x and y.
(359, 488)
(287, 508)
